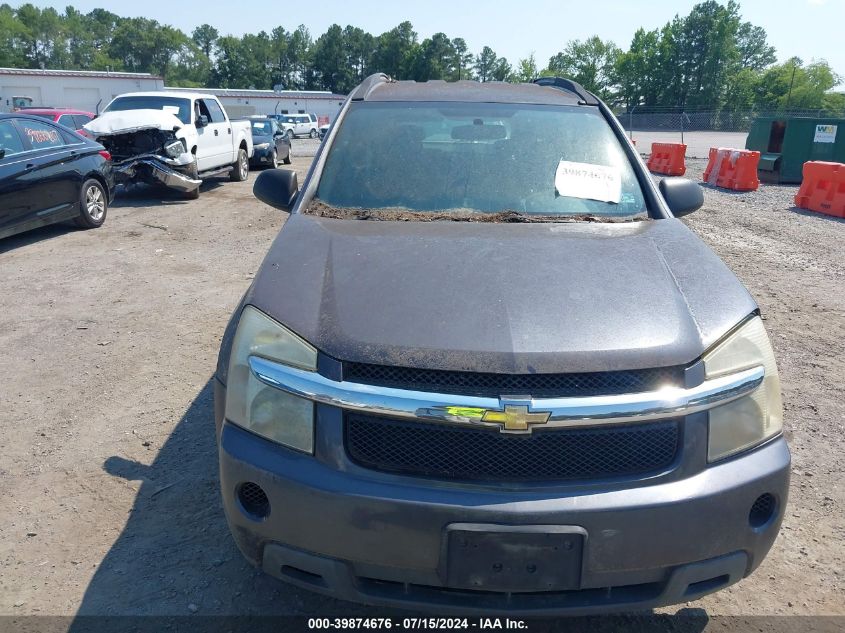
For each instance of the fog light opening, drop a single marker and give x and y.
(254, 501)
(762, 511)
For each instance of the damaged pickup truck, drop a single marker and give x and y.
(174, 139)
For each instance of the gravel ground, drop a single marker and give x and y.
(108, 485)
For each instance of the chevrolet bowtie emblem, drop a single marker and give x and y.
(516, 417)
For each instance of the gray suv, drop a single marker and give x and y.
(483, 368)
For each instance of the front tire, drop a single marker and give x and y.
(93, 205)
(240, 170)
(286, 160)
(275, 158)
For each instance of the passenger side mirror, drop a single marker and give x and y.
(683, 196)
(202, 120)
(277, 187)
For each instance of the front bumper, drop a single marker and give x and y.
(153, 170)
(379, 539)
(262, 156)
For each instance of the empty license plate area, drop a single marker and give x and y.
(514, 558)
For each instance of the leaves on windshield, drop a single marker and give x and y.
(396, 214)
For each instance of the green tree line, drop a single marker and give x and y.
(709, 58)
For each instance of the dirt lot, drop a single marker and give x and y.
(108, 484)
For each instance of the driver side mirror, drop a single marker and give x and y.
(202, 120)
(277, 187)
(2, 152)
(681, 195)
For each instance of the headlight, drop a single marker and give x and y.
(750, 420)
(174, 149)
(267, 411)
(262, 146)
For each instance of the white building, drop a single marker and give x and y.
(242, 103)
(82, 90)
(92, 91)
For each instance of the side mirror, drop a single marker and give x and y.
(202, 120)
(277, 187)
(683, 196)
(2, 152)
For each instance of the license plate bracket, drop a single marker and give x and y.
(514, 559)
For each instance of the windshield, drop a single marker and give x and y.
(262, 128)
(480, 157)
(49, 117)
(174, 105)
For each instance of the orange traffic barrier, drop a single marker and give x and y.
(822, 188)
(732, 169)
(668, 159)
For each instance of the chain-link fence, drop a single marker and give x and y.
(699, 129)
(677, 120)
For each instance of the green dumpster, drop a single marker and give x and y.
(786, 143)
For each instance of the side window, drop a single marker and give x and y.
(40, 135)
(202, 110)
(10, 140)
(215, 110)
(67, 121)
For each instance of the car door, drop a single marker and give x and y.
(280, 140)
(215, 138)
(13, 195)
(51, 177)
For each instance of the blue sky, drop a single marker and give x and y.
(810, 29)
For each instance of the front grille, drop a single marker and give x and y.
(495, 385)
(453, 452)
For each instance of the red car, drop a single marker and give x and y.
(74, 119)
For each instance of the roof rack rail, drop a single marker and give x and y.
(368, 85)
(570, 86)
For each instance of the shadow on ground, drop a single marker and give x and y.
(816, 214)
(176, 564)
(42, 233)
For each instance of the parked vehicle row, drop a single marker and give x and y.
(58, 163)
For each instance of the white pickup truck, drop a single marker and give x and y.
(172, 138)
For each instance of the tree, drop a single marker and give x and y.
(461, 66)
(526, 69)
(754, 51)
(592, 63)
(329, 60)
(204, 37)
(393, 48)
(485, 64)
(809, 86)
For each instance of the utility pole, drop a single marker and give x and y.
(791, 81)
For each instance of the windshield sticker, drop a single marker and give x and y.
(588, 182)
(170, 109)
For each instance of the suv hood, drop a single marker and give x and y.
(127, 121)
(507, 298)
